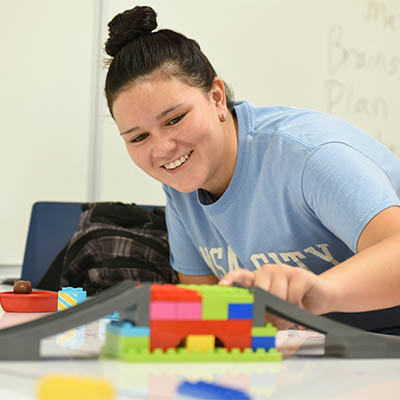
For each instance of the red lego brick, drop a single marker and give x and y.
(232, 333)
(173, 293)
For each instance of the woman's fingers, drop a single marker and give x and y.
(275, 280)
(300, 284)
(243, 277)
(292, 284)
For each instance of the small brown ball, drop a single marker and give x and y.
(22, 287)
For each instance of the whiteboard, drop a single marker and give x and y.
(336, 56)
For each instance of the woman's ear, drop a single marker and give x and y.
(217, 95)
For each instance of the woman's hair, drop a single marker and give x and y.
(136, 51)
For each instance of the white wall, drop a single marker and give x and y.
(338, 56)
(47, 53)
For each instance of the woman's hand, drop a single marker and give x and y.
(293, 284)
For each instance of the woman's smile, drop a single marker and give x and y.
(178, 162)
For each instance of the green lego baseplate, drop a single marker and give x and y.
(183, 355)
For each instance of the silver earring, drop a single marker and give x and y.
(222, 118)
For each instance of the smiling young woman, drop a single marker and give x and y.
(295, 201)
(174, 132)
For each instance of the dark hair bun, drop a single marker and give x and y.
(128, 26)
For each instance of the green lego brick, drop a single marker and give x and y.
(183, 355)
(214, 308)
(267, 330)
(232, 294)
(116, 346)
(216, 299)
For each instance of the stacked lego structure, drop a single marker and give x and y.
(192, 323)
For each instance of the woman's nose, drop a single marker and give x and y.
(163, 146)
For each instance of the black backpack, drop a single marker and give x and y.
(114, 242)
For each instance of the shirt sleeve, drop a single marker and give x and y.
(345, 189)
(184, 257)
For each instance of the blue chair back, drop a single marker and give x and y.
(51, 226)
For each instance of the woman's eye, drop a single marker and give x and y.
(139, 138)
(175, 120)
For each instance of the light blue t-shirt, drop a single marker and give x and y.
(304, 187)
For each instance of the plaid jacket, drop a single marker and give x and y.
(115, 242)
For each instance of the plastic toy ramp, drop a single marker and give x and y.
(22, 342)
(341, 340)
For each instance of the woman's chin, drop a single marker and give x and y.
(185, 189)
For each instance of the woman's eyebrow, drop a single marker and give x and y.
(158, 117)
(168, 110)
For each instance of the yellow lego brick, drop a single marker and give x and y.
(200, 342)
(67, 387)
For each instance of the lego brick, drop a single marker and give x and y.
(77, 292)
(216, 299)
(163, 310)
(183, 355)
(240, 311)
(231, 294)
(67, 387)
(126, 328)
(116, 346)
(69, 297)
(232, 333)
(266, 330)
(266, 343)
(175, 310)
(205, 390)
(214, 308)
(173, 293)
(200, 342)
(65, 301)
(189, 310)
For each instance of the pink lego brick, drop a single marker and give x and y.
(163, 310)
(189, 310)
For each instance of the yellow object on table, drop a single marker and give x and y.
(68, 387)
(200, 342)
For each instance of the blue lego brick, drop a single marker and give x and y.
(205, 390)
(264, 342)
(126, 328)
(69, 297)
(240, 311)
(78, 293)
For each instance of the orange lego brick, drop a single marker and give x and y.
(173, 293)
(230, 333)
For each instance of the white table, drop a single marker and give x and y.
(304, 373)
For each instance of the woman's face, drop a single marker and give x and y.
(173, 132)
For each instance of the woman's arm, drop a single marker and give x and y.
(371, 279)
(197, 279)
(367, 281)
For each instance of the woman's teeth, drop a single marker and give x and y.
(177, 162)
